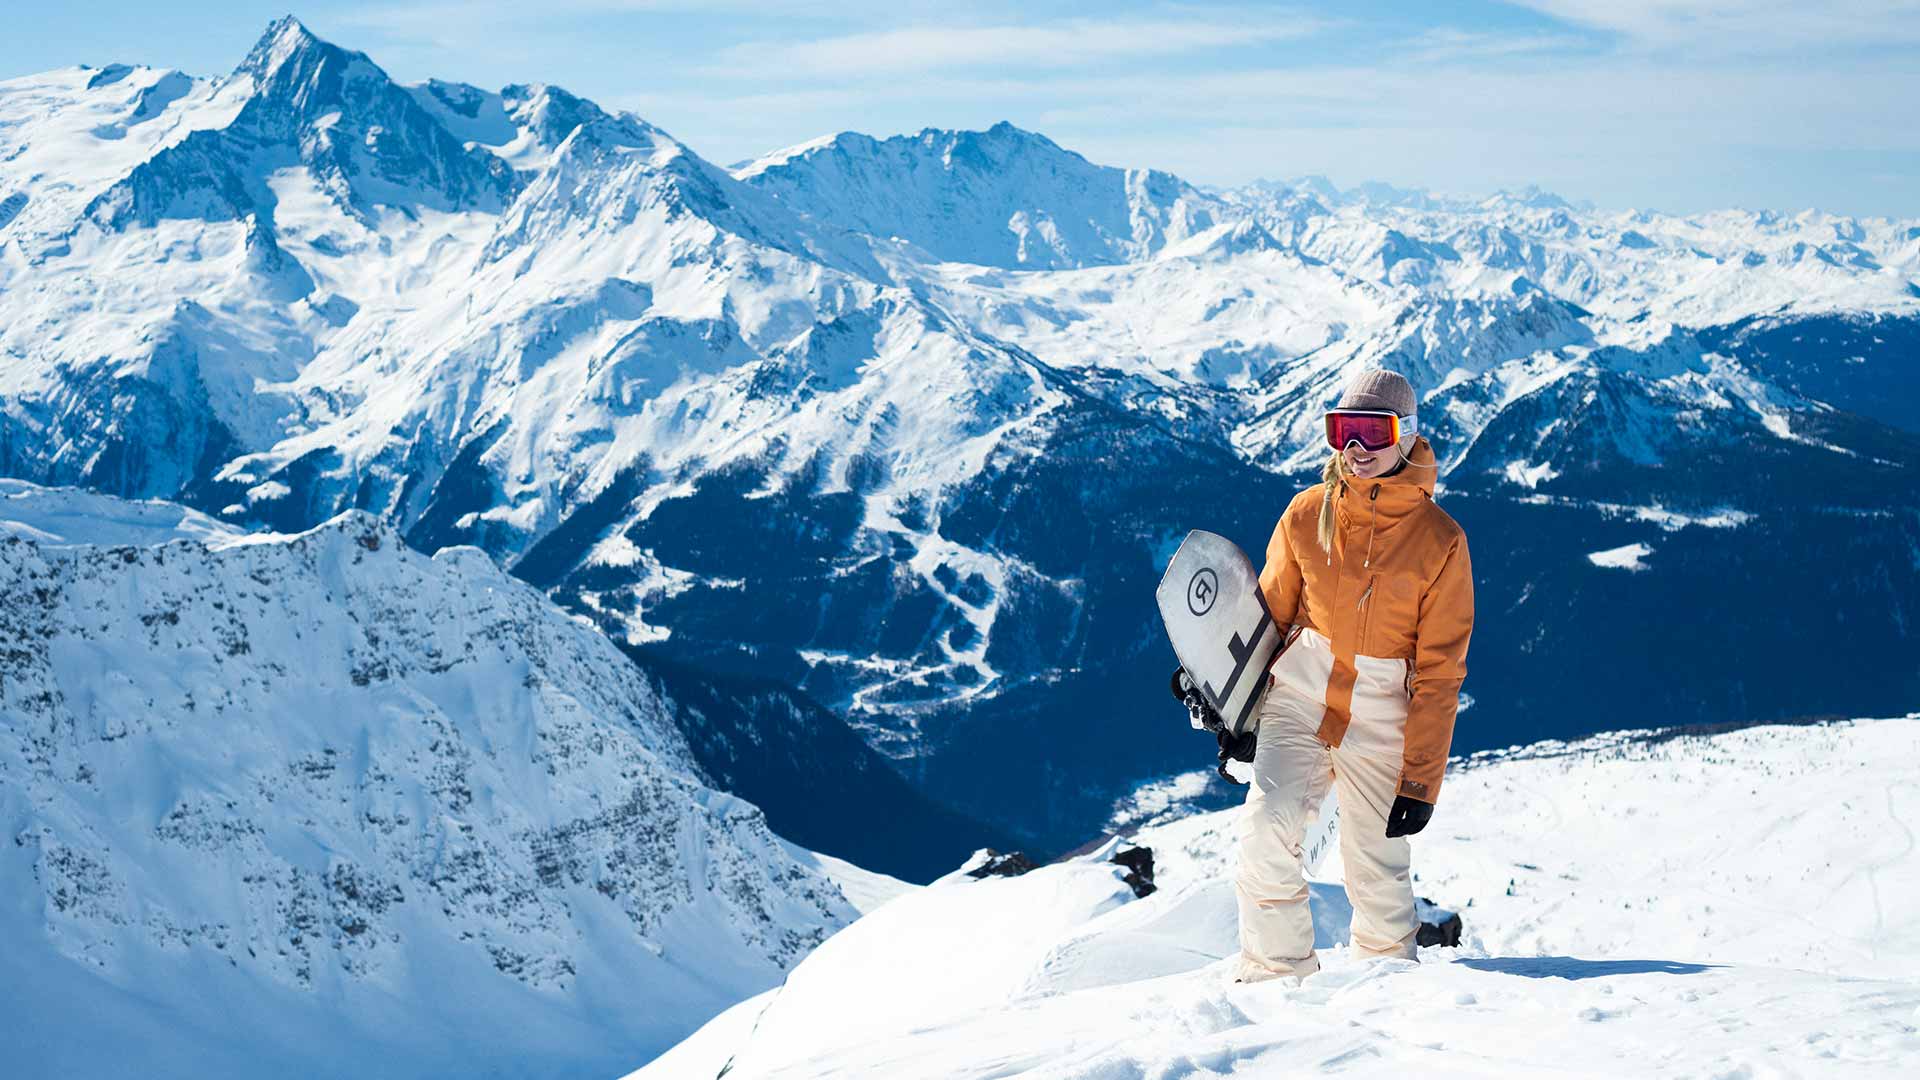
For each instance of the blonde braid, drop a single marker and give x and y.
(1336, 469)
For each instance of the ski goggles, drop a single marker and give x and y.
(1373, 429)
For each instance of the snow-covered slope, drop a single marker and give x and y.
(61, 517)
(1642, 904)
(1620, 265)
(322, 804)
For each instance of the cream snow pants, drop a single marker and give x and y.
(1292, 770)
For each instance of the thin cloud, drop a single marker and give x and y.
(503, 27)
(1447, 43)
(1627, 102)
(1735, 27)
(1067, 43)
(430, 14)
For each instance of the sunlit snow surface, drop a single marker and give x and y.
(57, 517)
(1635, 905)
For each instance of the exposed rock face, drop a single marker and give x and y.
(1438, 926)
(336, 766)
(991, 863)
(1139, 864)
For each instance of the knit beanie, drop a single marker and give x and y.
(1380, 389)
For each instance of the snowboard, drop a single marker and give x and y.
(1224, 638)
(1218, 623)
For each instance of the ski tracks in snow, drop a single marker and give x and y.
(1897, 859)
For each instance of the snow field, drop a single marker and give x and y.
(1719, 906)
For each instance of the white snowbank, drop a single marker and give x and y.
(1674, 521)
(63, 516)
(1529, 475)
(864, 889)
(1629, 557)
(1634, 905)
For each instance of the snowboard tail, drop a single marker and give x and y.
(1218, 623)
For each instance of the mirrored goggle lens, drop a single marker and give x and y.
(1373, 431)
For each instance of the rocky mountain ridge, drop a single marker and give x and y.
(367, 787)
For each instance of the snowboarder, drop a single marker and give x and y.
(1373, 580)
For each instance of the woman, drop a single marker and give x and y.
(1374, 580)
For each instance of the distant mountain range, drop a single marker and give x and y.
(901, 430)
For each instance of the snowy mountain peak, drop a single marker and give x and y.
(952, 148)
(1379, 193)
(524, 123)
(1313, 184)
(993, 146)
(288, 41)
(1002, 197)
(1225, 241)
(1531, 196)
(362, 140)
(552, 114)
(1370, 193)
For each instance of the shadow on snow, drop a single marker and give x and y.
(1568, 967)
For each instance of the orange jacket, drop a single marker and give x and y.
(1397, 584)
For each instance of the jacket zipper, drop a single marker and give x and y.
(1373, 524)
(1366, 614)
(1366, 609)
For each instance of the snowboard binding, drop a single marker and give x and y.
(1203, 717)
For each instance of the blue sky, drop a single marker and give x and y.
(1645, 103)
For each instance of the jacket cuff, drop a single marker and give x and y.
(1416, 788)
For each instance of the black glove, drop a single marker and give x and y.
(1235, 747)
(1238, 747)
(1408, 816)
